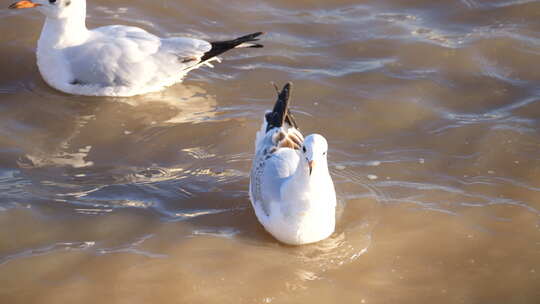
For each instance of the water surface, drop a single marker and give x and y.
(432, 113)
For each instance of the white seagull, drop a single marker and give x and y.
(290, 188)
(115, 60)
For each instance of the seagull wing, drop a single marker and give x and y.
(188, 50)
(124, 55)
(277, 154)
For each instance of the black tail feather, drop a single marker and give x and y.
(281, 113)
(220, 47)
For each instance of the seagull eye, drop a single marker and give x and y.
(324, 154)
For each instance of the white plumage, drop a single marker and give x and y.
(114, 60)
(291, 189)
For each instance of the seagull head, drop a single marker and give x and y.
(315, 149)
(57, 9)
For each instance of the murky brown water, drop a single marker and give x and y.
(431, 108)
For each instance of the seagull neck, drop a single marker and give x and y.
(62, 32)
(319, 170)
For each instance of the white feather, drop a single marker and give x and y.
(292, 205)
(112, 60)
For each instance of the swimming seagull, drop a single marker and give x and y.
(290, 188)
(115, 60)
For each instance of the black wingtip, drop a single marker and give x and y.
(220, 47)
(281, 113)
(285, 93)
(248, 38)
(251, 36)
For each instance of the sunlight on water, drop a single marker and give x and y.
(432, 116)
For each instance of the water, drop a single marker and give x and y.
(432, 113)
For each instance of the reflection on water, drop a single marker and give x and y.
(432, 114)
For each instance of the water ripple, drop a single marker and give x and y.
(79, 246)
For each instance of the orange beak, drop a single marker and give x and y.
(23, 4)
(311, 165)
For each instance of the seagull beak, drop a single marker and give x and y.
(311, 165)
(23, 4)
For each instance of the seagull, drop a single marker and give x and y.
(115, 60)
(290, 188)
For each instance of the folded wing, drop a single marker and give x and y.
(123, 55)
(277, 154)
